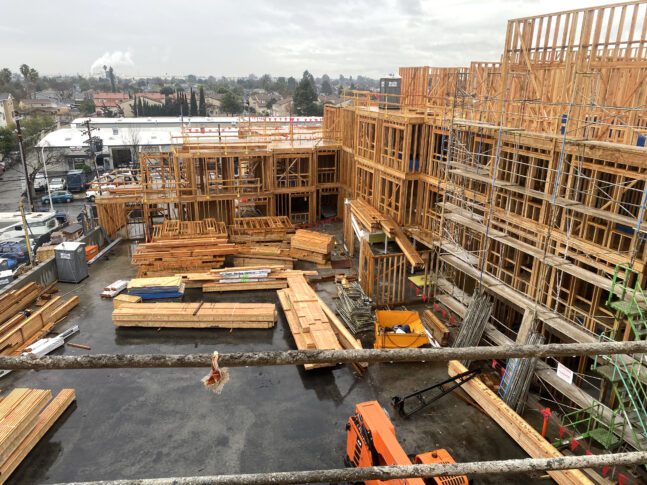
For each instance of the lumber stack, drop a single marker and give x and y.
(21, 331)
(15, 301)
(195, 315)
(438, 329)
(242, 278)
(168, 257)
(264, 254)
(306, 318)
(311, 246)
(156, 288)
(260, 229)
(25, 416)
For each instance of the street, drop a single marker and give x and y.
(11, 186)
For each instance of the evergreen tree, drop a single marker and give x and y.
(202, 104)
(194, 104)
(305, 97)
(292, 84)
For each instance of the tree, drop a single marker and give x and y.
(194, 104)
(202, 104)
(33, 75)
(292, 84)
(5, 76)
(326, 88)
(266, 82)
(8, 141)
(167, 90)
(305, 97)
(87, 106)
(24, 70)
(231, 103)
(281, 85)
(111, 76)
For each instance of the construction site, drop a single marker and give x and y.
(448, 277)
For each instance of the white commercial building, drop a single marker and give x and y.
(123, 137)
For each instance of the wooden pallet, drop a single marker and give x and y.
(260, 229)
(195, 315)
(174, 229)
(40, 416)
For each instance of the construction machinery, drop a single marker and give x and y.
(371, 441)
(419, 400)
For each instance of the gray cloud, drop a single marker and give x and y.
(284, 37)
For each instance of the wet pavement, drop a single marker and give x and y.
(142, 423)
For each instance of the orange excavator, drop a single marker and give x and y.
(371, 441)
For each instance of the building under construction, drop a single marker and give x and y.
(508, 195)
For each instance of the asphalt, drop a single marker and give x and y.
(140, 423)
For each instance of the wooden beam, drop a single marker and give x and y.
(530, 440)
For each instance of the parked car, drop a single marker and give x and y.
(58, 196)
(40, 182)
(57, 184)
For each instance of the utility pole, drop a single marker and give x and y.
(25, 230)
(17, 119)
(92, 154)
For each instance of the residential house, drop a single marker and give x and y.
(258, 101)
(213, 102)
(6, 109)
(282, 107)
(44, 106)
(110, 101)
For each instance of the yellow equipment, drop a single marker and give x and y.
(399, 329)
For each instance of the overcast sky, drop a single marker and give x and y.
(239, 37)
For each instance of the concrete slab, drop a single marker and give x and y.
(144, 423)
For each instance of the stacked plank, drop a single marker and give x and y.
(373, 220)
(195, 315)
(242, 278)
(311, 246)
(260, 229)
(156, 288)
(15, 301)
(260, 254)
(312, 322)
(168, 257)
(21, 331)
(25, 416)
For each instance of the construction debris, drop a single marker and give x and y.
(25, 416)
(354, 307)
(156, 288)
(312, 246)
(195, 315)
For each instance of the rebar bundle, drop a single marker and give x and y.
(473, 326)
(516, 379)
(355, 308)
